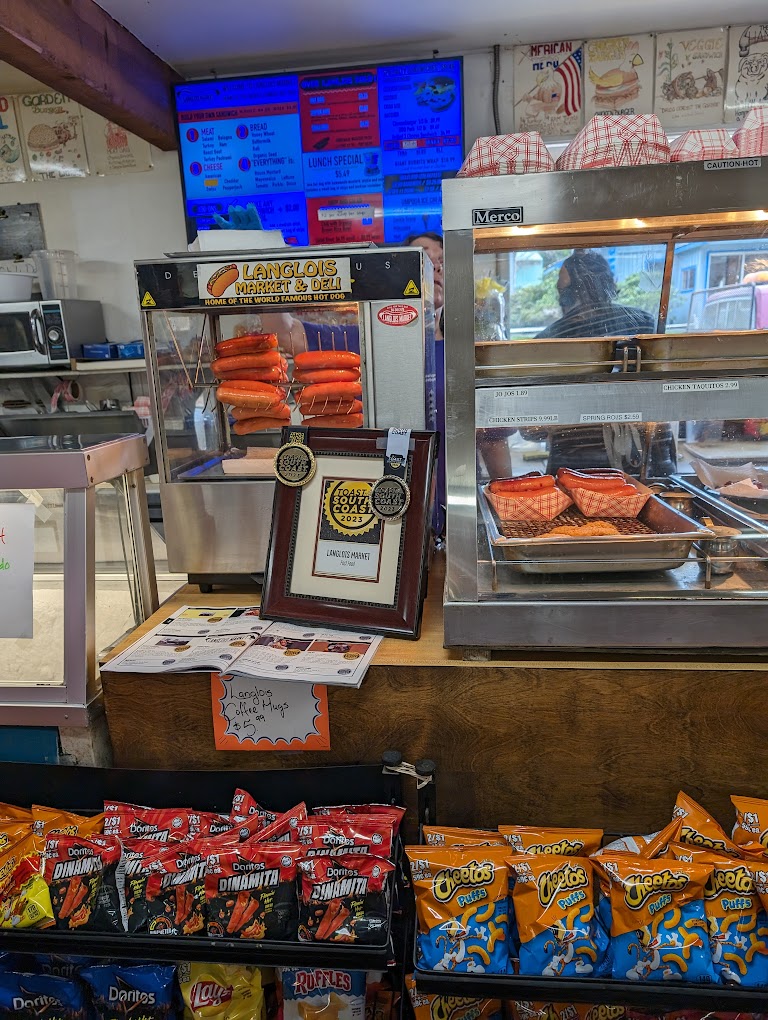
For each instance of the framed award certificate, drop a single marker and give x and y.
(348, 547)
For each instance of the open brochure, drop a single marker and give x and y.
(236, 642)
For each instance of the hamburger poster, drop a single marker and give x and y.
(549, 93)
(52, 130)
(690, 77)
(747, 71)
(618, 75)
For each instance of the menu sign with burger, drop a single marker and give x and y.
(619, 76)
(52, 129)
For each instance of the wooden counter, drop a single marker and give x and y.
(551, 740)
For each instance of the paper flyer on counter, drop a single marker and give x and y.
(747, 71)
(690, 77)
(12, 167)
(237, 642)
(52, 129)
(549, 88)
(618, 76)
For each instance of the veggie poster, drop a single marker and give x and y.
(690, 77)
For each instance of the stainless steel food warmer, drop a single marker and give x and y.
(632, 333)
(216, 488)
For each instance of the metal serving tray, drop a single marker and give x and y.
(664, 542)
(521, 358)
(700, 352)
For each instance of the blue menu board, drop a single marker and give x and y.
(328, 157)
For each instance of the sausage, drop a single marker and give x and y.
(244, 398)
(321, 392)
(335, 421)
(275, 411)
(234, 362)
(624, 490)
(529, 483)
(222, 279)
(253, 386)
(242, 428)
(276, 375)
(321, 375)
(332, 407)
(308, 361)
(608, 485)
(251, 343)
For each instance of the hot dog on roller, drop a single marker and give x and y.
(250, 343)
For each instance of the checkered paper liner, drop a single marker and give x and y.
(600, 504)
(616, 141)
(712, 143)
(495, 155)
(751, 137)
(531, 508)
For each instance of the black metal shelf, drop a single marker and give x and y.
(664, 995)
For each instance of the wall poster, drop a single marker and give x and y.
(618, 76)
(690, 77)
(548, 88)
(747, 71)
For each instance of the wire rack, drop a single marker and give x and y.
(535, 529)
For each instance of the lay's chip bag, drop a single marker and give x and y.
(461, 904)
(751, 829)
(738, 925)
(450, 1007)
(659, 927)
(525, 839)
(221, 991)
(554, 903)
(446, 835)
(701, 829)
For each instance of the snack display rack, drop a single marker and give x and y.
(633, 589)
(84, 789)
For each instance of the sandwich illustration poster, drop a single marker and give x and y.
(747, 71)
(618, 75)
(690, 77)
(52, 129)
(549, 88)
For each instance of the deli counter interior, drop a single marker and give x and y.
(624, 367)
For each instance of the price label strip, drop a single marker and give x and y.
(294, 462)
(390, 495)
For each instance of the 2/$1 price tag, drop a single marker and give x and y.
(294, 462)
(390, 494)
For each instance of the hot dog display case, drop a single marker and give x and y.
(607, 442)
(240, 344)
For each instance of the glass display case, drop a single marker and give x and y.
(606, 335)
(364, 312)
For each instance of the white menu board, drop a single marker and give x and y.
(690, 77)
(52, 129)
(112, 149)
(549, 88)
(11, 158)
(747, 71)
(619, 75)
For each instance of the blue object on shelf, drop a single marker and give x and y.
(98, 352)
(134, 350)
(38, 744)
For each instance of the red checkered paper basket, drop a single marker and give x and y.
(600, 504)
(752, 137)
(616, 141)
(496, 155)
(545, 507)
(699, 143)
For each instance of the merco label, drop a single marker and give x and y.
(497, 217)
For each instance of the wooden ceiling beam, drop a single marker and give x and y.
(76, 48)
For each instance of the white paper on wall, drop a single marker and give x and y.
(11, 159)
(690, 77)
(112, 149)
(52, 131)
(619, 75)
(549, 88)
(747, 71)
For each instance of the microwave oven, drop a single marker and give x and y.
(44, 334)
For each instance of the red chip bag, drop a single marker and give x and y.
(351, 834)
(283, 829)
(364, 809)
(139, 857)
(132, 821)
(250, 891)
(344, 899)
(175, 891)
(208, 823)
(81, 874)
(243, 806)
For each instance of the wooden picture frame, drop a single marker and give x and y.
(330, 561)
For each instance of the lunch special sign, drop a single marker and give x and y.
(271, 281)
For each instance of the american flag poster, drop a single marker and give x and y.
(549, 88)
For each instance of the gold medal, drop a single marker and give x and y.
(294, 462)
(389, 498)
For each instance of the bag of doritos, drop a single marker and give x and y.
(244, 806)
(700, 829)
(208, 823)
(461, 904)
(524, 839)
(751, 829)
(85, 880)
(139, 857)
(350, 834)
(738, 925)
(446, 835)
(48, 821)
(344, 899)
(391, 810)
(25, 901)
(554, 904)
(250, 891)
(175, 890)
(659, 927)
(222, 991)
(450, 1007)
(284, 827)
(132, 821)
(146, 991)
(62, 966)
(41, 997)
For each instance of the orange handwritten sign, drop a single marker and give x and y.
(262, 715)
